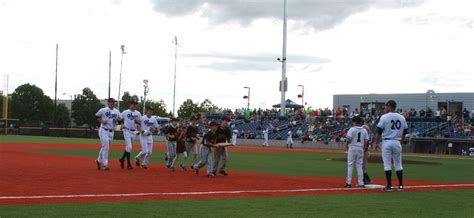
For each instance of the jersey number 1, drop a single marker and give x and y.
(358, 137)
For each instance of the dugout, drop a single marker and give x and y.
(440, 145)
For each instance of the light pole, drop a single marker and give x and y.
(122, 47)
(302, 95)
(175, 42)
(247, 97)
(284, 80)
(146, 89)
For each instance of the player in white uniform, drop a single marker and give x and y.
(265, 137)
(108, 117)
(392, 128)
(233, 141)
(357, 141)
(148, 127)
(130, 126)
(289, 140)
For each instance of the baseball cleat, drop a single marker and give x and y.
(106, 168)
(98, 164)
(388, 189)
(347, 186)
(122, 163)
(137, 161)
(222, 172)
(171, 169)
(400, 188)
(361, 186)
(183, 167)
(211, 175)
(129, 167)
(192, 167)
(196, 171)
(144, 167)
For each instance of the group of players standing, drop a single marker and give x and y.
(391, 129)
(180, 139)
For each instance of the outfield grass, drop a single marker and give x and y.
(407, 204)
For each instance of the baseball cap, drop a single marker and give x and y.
(111, 100)
(213, 123)
(391, 103)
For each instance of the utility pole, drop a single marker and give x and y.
(248, 97)
(110, 70)
(175, 42)
(56, 86)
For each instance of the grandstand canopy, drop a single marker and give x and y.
(289, 104)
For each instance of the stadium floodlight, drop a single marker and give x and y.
(247, 97)
(122, 47)
(146, 89)
(301, 95)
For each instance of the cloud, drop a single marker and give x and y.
(254, 62)
(318, 14)
(449, 80)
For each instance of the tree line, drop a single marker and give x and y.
(32, 107)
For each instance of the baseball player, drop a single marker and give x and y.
(191, 140)
(367, 179)
(131, 123)
(235, 133)
(392, 128)
(357, 142)
(148, 127)
(265, 137)
(171, 133)
(289, 140)
(108, 117)
(224, 135)
(181, 145)
(209, 142)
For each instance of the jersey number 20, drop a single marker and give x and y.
(396, 124)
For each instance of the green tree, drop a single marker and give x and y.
(84, 108)
(159, 107)
(126, 99)
(63, 118)
(188, 108)
(207, 107)
(30, 105)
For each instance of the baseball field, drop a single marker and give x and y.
(57, 177)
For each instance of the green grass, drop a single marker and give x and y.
(407, 204)
(315, 164)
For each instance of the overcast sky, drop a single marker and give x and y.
(334, 47)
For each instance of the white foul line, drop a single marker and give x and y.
(222, 192)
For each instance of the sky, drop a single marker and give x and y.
(334, 47)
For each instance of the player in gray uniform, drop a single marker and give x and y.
(192, 137)
(357, 141)
(108, 117)
(148, 127)
(367, 179)
(209, 142)
(392, 128)
(130, 126)
(171, 132)
(224, 135)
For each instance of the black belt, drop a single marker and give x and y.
(388, 139)
(133, 130)
(109, 130)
